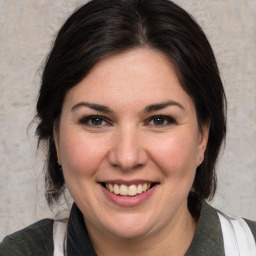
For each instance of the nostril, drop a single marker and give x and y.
(115, 165)
(138, 166)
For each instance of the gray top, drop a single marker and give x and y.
(37, 239)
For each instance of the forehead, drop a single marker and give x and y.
(135, 75)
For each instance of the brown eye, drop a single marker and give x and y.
(93, 121)
(160, 121)
(96, 121)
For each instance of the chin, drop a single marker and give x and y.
(129, 227)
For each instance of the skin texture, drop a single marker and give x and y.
(127, 142)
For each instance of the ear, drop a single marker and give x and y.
(202, 142)
(56, 140)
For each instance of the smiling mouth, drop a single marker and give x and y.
(132, 190)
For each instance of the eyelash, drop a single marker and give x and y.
(88, 120)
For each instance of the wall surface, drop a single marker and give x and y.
(27, 30)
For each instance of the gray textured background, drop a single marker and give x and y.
(27, 30)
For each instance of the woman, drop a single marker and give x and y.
(132, 110)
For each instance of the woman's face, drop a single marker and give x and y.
(129, 145)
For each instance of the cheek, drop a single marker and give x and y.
(177, 154)
(81, 156)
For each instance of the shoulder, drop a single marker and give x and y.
(35, 239)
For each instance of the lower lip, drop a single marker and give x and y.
(129, 201)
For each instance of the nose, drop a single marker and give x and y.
(127, 152)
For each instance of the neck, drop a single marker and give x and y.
(173, 239)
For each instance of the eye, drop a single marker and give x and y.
(160, 120)
(94, 121)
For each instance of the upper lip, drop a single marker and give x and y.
(128, 182)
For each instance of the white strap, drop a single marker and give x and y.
(59, 237)
(237, 236)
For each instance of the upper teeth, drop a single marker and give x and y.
(131, 190)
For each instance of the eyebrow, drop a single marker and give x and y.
(97, 107)
(147, 109)
(159, 106)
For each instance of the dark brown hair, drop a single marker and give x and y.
(101, 28)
